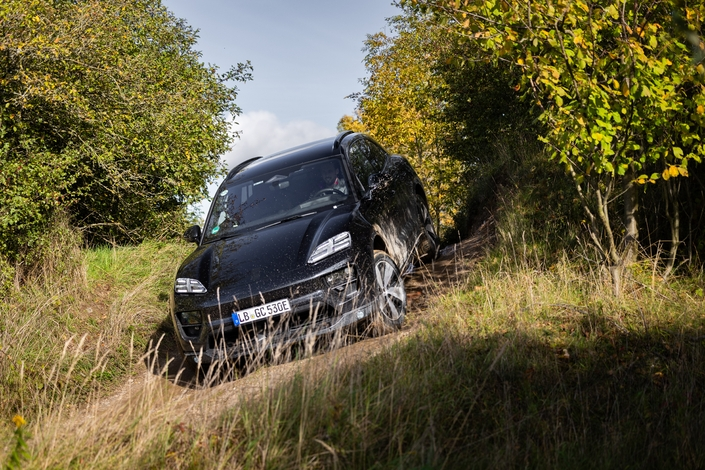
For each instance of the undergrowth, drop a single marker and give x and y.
(72, 329)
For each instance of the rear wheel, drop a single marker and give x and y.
(391, 295)
(429, 244)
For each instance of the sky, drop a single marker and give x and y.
(307, 57)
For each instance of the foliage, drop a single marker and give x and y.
(620, 99)
(482, 104)
(107, 113)
(400, 104)
(492, 128)
(427, 96)
(352, 123)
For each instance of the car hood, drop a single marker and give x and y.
(264, 259)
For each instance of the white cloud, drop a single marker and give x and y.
(261, 133)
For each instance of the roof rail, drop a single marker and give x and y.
(340, 138)
(240, 167)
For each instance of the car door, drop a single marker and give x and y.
(382, 204)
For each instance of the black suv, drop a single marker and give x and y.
(299, 244)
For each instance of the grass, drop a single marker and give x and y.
(528, 361)
(72, 333)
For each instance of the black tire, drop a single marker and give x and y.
(389, 288)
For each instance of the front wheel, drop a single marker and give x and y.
(391, 295)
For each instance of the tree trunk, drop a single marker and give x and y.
(672, 188)
(631, 236)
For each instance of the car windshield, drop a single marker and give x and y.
(259, 199)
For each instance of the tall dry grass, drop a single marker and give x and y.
(525, 362)
(72, 327)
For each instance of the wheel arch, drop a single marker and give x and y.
(378, 244)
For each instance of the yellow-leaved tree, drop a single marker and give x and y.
(620, 90)
(400, 105)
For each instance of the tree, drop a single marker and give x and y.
(352, 123)
(108, 114)
(400, 105)
(620, 99)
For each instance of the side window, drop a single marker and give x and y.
(378, 157)
(366, 159)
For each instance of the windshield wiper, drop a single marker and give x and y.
(287, 219)
(225, 236)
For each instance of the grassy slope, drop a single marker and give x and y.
(76, 331)
(524, 363)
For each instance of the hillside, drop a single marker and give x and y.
(501, 363)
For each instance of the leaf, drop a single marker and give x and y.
(625, 90)
(612, 12)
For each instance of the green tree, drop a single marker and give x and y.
(621, 101)
(489, 124)
(106, 113)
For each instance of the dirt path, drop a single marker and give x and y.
(422, 285)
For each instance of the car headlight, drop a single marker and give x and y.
(330, 246)
(184, 285)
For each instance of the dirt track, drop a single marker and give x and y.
(192, 390)
(422, 285)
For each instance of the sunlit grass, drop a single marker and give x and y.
(524, 359)
(512, 367)
(73, 332)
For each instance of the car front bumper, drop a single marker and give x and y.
(322, 311)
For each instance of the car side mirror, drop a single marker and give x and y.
(193, 234)
(373, 180)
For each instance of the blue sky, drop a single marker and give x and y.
(307, 56)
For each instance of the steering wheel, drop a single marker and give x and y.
(326, 192)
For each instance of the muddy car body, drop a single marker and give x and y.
(299, 244)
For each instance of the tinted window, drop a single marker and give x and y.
(378, 157)
(366, 159)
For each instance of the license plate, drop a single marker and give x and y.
(263, 311)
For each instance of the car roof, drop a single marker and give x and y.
(300, 154)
